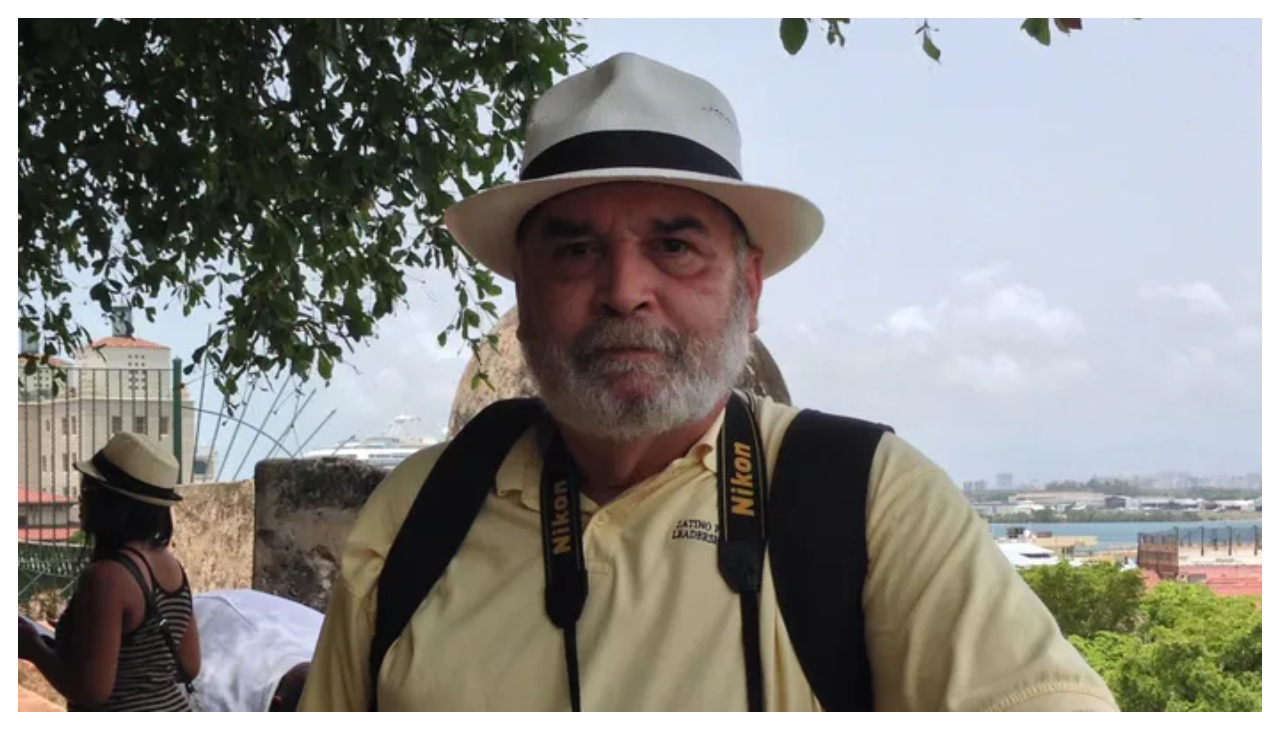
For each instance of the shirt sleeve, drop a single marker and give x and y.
(951, 626)
(338, 680)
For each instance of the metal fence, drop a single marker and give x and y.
(48, 570)
(66, 412)
(1163, 552)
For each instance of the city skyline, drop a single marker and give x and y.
(1175, 478)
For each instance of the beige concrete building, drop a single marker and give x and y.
(116, 384)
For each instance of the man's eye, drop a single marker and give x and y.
(672, 246)
(576, 249)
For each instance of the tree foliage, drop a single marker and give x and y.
(270, 165)
(1090, 599)
(1175, 648)
(795, 32)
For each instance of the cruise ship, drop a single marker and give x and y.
(385, 450)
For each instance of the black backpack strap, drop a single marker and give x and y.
(818, 551)
(129, 565)
(449, 501)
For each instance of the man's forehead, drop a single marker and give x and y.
(662, 207)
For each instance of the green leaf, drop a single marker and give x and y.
(325, 366)
(1038, 28)
(1066, 25)
(930, 49)
(100, 294)
(834, 33)
(794, 33)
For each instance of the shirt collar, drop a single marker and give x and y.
(522, 469)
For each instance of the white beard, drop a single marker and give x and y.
(694, 374)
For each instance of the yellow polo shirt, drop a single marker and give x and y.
(950, 624)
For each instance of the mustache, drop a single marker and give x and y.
(615, 334)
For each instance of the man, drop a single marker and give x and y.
(638, 256)
(256, 650)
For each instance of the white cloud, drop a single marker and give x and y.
(1198, 296)
(995, 374)
(1002, 374)
(985, 276)
(912, 320)
(1019, 305)
(1249, 335)
(987, 313)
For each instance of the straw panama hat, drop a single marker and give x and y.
(136, 466)
(633, 119)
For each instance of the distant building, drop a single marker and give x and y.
(1051, 499)
(204, 466)
(46, 517)
(1004, 481)
(118, 383)
(1122, 502)
(1237, 505)
(1171, 503)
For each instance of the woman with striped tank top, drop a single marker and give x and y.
(128, 637)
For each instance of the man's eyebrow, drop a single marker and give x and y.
(679, 224)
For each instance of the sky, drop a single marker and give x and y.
(1044, 261)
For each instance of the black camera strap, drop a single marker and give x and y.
(741, 482)
(562, 559)
(741, 478)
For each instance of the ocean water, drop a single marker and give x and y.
(1124, 535)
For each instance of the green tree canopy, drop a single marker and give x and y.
(1089, 599)
(1175, 648)
(269, 165)
(1195, 652)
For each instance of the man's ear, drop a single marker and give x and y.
(754, 280)
(517, 277)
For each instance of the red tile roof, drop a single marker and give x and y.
(124, 342)
(46, 534)
(54, 361)
(32, 496)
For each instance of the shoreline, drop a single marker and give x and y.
(1226, 518)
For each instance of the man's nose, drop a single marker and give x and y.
(626, 280)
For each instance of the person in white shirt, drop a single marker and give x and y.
(256, 650)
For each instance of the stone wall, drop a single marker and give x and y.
(213, 534)
(303, 511)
